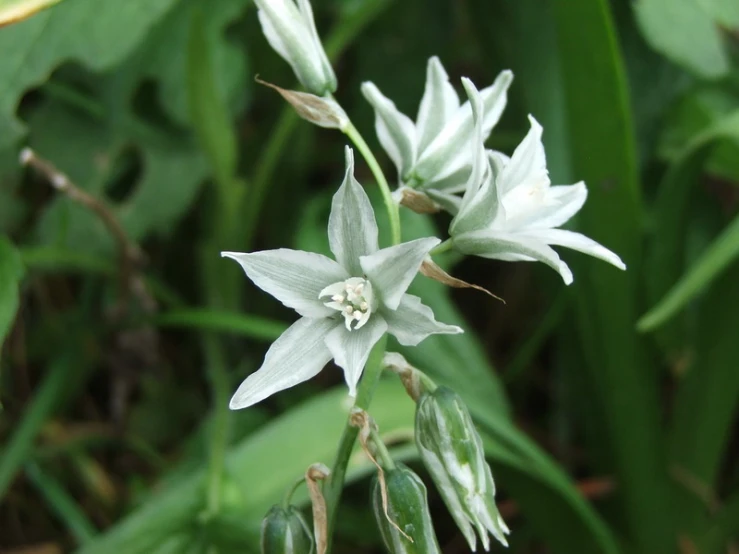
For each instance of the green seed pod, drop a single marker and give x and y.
(407, 508)
(286, 532)
(452, 451)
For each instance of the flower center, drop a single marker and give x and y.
(353, 298)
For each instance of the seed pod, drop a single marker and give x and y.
(452, 451)
(286, 532)
(409, 529)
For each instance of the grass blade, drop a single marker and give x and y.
(226, 322)
(719, 255)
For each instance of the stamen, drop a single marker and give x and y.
(352, 298)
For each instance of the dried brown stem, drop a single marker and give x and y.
(130, 256)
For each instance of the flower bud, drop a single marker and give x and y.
(291, 31)
(452, 451)
(285, 531)
(403, 514)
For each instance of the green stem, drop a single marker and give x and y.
(382, 453)
(387, 196)
(219, 427)
(290, 492)
(367, 386)
(443, 247)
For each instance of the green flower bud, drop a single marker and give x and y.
(452, 451)
(285, 531)
(408, 513)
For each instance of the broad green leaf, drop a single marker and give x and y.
(96, 33)
(165, 169)
(13, 11)
(603, 154)
(161, 57)
(725, 12)
(686, 33)
(11, 271)
(714, 260)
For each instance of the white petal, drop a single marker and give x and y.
(352, 229)
(273, 37)
(395, 130)
(294, 277)
(439, 103)
(528, 162)
(499, 245)
(392, 269)
(319, 55)
(480, 201)
(296, 356)
(444, 155)
(495, 98)
(575, 241)
(413, 321)
(351, 349)
(557, 206)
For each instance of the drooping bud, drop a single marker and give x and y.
(402, 513)
(285, 531)
(452, 452)
(291, 31)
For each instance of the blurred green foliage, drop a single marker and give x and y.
(608, 409)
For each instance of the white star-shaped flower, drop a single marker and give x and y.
(427, 153)
(347, 304)
(511, 212)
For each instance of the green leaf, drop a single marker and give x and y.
(61, 502)
(162, 173)
(11, 271)
(209, 115)
(603, 154)
(211, 320)
(722, 251)
(12, 11)
(96, 33)
(672, 216)
(725, 12)
(705, 406)
(723, 529)
(686, 33)
(45, 400)
(161, 57)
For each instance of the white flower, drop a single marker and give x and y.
(347, 304)
(427, 153)
(291, 31)
(511, 212)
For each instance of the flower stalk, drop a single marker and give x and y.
(365, 391)
(391, 205)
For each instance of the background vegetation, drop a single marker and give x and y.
(609, 430)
